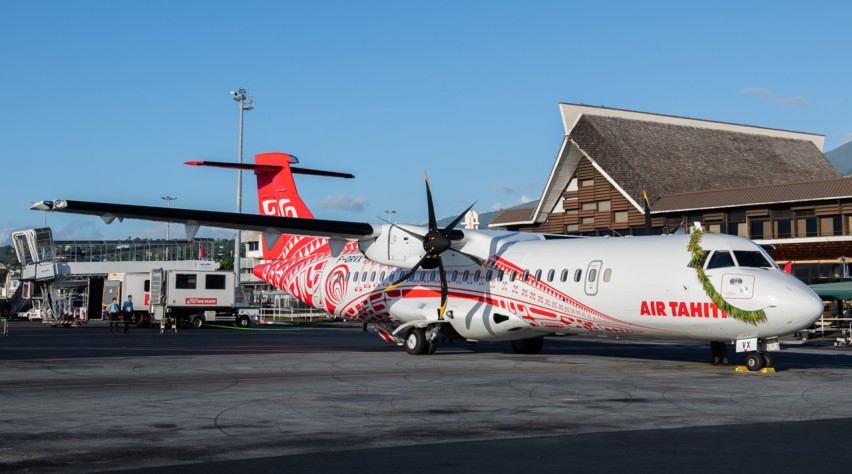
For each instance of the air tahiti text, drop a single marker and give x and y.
(681, 309)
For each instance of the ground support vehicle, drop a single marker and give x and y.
(194, 298)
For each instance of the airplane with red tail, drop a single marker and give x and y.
(418, 283)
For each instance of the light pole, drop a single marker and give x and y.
(168, 200)
(246, 103)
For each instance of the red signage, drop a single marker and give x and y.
(202, 301)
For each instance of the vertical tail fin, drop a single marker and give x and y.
(277, 196)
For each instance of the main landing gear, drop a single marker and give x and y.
(420, 341)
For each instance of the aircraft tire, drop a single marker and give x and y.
(767, 360)
(755, 361)
(528, 346)
(243, 321)
(415, 342)
(432, 346)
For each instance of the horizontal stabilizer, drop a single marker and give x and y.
(270, 168)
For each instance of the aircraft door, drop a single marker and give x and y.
(592, 277)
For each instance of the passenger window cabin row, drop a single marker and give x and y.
(431, 276)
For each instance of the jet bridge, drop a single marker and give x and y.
(66, 278)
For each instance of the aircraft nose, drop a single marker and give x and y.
(802, 306)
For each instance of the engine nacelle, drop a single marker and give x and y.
(394, 247)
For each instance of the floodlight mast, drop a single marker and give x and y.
(168, 200)
(246, 103)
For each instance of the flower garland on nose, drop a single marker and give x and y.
(750, 317)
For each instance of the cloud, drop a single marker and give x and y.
(177, 231)
(769, 96)
(506, 205)
(79, 230)
(6, 235)
(524, 188)
(344, 203)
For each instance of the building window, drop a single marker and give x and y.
(806, 227)
(572, 228)
(604, 206)
(586, 183)
(590, 206)
(831, 225)
(619, 217)
(783, 229)
(588, 221)
(758, 229)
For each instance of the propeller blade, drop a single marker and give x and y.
(475, 260)
(433, 223)
(444, 291)
(405, 277)
(457, 220)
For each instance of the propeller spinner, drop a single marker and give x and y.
(435, 243)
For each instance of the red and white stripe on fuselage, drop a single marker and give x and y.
(324, 282)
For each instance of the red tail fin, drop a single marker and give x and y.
(277, 196)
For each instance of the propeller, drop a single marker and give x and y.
(436, 242)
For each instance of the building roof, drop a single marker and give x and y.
(671, 159)
(667, 156)
(512, 216)
(756, 195)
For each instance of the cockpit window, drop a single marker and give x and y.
(752, 258)
(721, 259)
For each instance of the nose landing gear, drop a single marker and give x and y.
(760, 360)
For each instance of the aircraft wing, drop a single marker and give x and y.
(194, 219)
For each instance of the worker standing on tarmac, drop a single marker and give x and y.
(127, 312)
(112, 314)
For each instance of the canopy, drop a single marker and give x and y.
(841, 290)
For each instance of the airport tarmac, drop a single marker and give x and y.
(332, 398)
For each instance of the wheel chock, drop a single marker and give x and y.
(765, 370)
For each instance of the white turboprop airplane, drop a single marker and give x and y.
(417, 283)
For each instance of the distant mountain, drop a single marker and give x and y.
(485, 217)
(841, 158)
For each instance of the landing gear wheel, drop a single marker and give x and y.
(415, 342)
(755, 361)
(432, 347)
(528, 346)
(767, 360)
(197, 322)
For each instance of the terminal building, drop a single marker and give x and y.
(775, 187)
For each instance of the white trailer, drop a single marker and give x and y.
(192, 298)
(136, 284)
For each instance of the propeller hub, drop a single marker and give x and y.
(435, 243)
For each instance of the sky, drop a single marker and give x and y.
(105, 100)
